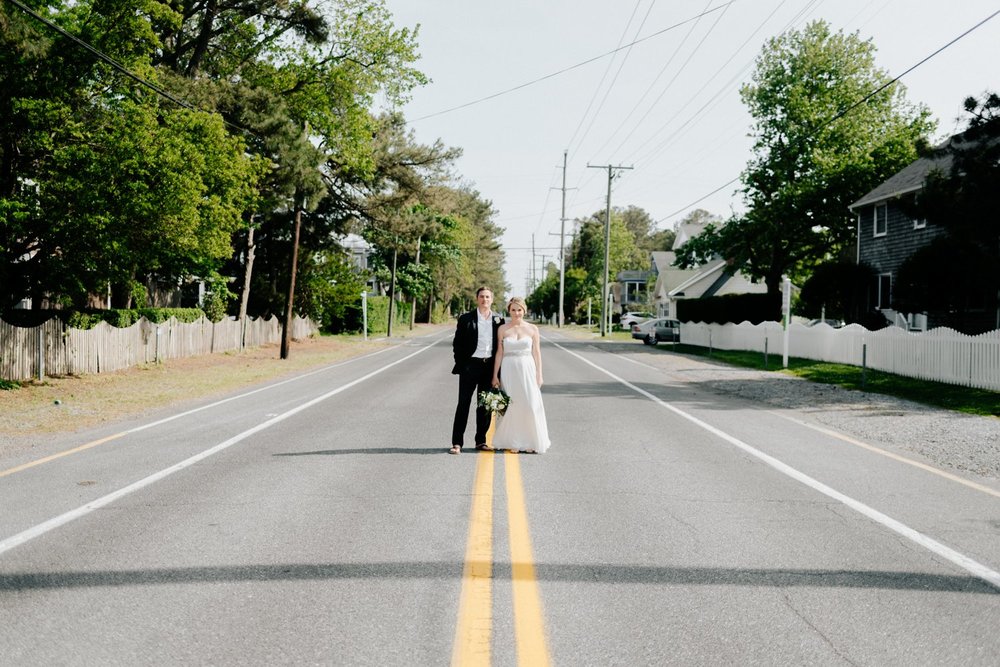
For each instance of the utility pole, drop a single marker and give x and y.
(286, 333)
(605, 309)
(533, 283)
(562, 245)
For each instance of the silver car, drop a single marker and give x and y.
(646, 331)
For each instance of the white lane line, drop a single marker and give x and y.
(62, 519)
(969, 565)
(251, 393)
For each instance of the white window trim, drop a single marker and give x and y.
(875, 231)
(920, 223)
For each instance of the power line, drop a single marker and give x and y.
(606, 70)
(697, 116)
(653, 84)
(854, 106)
(571, 67)
(115, 64)
(614, 80)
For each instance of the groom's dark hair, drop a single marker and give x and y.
(481, 288)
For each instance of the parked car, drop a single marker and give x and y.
(836, 324)
(628, 319)
(669, 331)
(646, 331)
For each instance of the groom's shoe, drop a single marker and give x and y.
(483, 447)
(455, 449)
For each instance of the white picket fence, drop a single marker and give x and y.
(54, 349)
(941, 355)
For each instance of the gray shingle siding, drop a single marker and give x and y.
(887, 253)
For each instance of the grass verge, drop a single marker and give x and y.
(938, 394)
(70, 403)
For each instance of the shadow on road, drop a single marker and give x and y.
(597, 574)
(370, 450)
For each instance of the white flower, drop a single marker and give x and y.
(494, 400)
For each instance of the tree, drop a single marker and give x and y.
(587, 252)
(301, 77)
(955, 278)
(828, 127)
(101, 182)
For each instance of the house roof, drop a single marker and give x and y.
(633, 276)
(911, 178)
(662, 260)
(687, 231)
(712, 280)
(701, 280)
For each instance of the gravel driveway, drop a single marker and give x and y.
(953, 440)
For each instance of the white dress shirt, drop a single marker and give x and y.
(484, 346)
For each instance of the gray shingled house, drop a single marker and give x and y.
(887, 235)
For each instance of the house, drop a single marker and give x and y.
(668, 277)
(630, 291)
(711, 279)
(888, 236)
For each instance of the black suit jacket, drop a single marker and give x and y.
(467, 338)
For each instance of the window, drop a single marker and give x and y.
(881, 219)
(918, 223)
(884, 290)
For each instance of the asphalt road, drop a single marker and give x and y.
(321, 521)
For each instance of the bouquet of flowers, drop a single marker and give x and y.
(495, 400)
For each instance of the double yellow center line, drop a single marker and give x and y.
(475, 612)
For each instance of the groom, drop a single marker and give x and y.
(475, 348)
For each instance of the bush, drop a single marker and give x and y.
(378, 314)
(88, 319)
(736, 308)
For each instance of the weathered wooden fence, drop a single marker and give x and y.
(54, 349)
(942, 355)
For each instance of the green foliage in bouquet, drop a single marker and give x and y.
(494, 400)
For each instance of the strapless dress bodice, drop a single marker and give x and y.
(516, 347)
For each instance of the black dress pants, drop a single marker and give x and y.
(475, 376)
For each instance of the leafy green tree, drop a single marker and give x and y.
(544, 299)
(955, 278)
(101, 184)
(587, 252)
(330, 290)
(828, 127)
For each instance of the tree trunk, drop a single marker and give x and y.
(245, 293)
(413, 308)
(392, 293)
(247, 274)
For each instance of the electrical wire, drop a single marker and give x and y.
(614, 80)
(571, 67)
(665, 88)
(115, 64)
(606, 70)
(863, 100)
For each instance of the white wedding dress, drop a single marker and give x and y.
(523, 425)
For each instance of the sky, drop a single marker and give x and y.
(517, 83)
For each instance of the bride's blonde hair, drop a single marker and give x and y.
(518, 301)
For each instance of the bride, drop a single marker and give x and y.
(518, 371)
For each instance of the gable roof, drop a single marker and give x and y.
(662, 260)
(911, 178)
